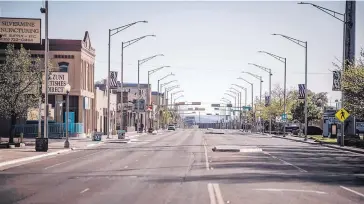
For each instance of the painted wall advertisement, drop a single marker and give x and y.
(56, 83)
(20, 30)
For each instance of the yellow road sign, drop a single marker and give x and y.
(342, 115)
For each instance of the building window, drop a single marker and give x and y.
(63, 66)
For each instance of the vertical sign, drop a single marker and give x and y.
(267, 101)
(350, 31)
(336, 80)
(113, 80)
(301, 91)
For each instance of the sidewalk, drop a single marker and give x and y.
(311, 141)
(28, 153)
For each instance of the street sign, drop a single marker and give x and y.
(301, 91)
(336, 80)
(267, 101)
(248, 108)
(342, 115)
(284, 117)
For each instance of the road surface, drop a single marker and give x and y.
(180, 167)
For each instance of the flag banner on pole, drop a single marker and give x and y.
(301, 91)
(267, 101)
(113, 80)
(336, 80)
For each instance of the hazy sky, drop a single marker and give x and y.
(207, 44)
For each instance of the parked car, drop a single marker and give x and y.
(171, 127)
(359, 127)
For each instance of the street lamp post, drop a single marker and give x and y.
(227, 101)
(234, 100)
(166, 90)
(304, 45)
(172, 94)
(123, 46)
(261, 86)
(140, 62)
(245, 103)
(270, 90)
(239, 103)
(345, 22)
(284, 60)
(150, 72)
(252, 86)
(112, 32)
(159, 89)
(67, 89)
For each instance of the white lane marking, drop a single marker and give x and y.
(48, 167)
(211, 193)
(357, 193)
(218, 194)
(125, 167)
(206, 158)
(84, 190)
(291, 190)
(300, 169)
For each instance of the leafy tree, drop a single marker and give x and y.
(19, 77)
(315, 105)
(353, 87)
(276, 107)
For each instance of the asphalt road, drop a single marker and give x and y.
(180, 167)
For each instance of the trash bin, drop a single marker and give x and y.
(121, 134)
(96, 136)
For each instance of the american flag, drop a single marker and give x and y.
(301, 91)
(113, 80)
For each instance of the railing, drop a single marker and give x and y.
(55, 129)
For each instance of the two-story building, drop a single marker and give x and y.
(74, 62)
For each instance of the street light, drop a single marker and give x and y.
(116, 31)
(232, 96)
(304, 45)
(261, 82)
(345, 22)
(140, 62)
(239, 101)
(270, 89)
(180, 91)
(246, 97)
(123, 46)
(158, 101)
(252, 86)
(178, 98)
(67, 89)
(284, 60)
(150, 72)
(166, 90)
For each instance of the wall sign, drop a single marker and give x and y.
(56, 83)
(20, 30)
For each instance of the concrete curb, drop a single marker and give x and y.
(325, 145)
(16, 161)
(26, 159)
